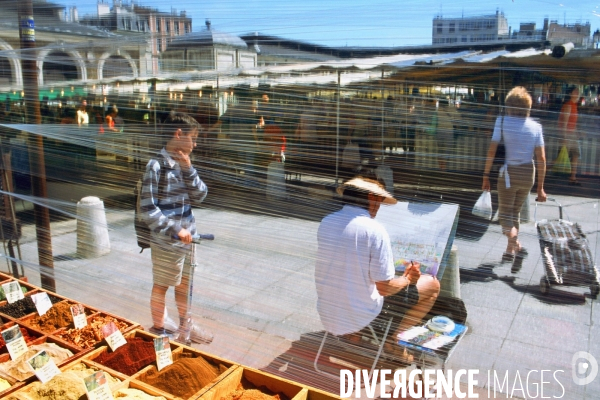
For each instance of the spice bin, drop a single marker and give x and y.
(204, 371)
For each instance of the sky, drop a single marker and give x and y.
(359, 22)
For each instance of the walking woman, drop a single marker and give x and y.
(524, 142)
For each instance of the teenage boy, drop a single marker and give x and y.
(170, 187)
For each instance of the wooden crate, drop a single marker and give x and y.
(251, 378)
(132, 384)
(187, 352)
(148, 337)
(53, 298)
(31, 332)
(317, 394)
(122, 378)
(25, 284)
(61, 333)
(208, 356)
(93, 310)
(46, 339)
(29, 318)
(15, 386)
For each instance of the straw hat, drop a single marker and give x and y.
(368, 186)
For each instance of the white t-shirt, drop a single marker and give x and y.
(521, 136)
(354, 253)
(83, 117)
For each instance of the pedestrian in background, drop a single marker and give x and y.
(83, 119)
(523, 139)
(571, 136)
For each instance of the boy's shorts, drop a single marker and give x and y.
(169, 264)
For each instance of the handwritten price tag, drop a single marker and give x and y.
(113, 336)
(42, 302)
(12, 291)
(43, 366)
(96, 387)
(15, 343)
(78, 313)
(164, 358)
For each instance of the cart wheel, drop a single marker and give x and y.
(595, 289)
(544, 285)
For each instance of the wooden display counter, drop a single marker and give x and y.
(228, 381)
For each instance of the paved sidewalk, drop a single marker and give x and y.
(255, 290)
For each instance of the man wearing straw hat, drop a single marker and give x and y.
(355, 275)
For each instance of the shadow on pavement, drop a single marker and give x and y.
(557, 295)
(66, 257)
(297, 363)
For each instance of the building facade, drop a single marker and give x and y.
(465, 30)
(529, 31)
(159, 28)
(578, 33)
(66, 51)
(208, 50)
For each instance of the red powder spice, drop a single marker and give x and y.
(129, 358)
(25, 334)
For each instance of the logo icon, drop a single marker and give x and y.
(584, 368)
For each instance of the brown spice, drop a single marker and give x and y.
(59, 316)
(247, 390)
(183, 378)
(91, 334)
(249, 394)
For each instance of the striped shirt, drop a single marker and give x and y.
(168, 193)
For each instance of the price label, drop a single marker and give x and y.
(96, 387)
(164, 358)
(78, 313)
(12, 291)
(43, 366)
(15, 343)
(113, 336)
(42, 302)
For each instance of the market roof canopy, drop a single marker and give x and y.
(464, 67)
(580, 67)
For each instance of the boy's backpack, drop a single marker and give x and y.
(142, 230)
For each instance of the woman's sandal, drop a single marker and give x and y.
(517, 263)
(508, 258)
(574, 182)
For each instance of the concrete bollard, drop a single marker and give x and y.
(525, 217)
(450, 283)
(92, 230)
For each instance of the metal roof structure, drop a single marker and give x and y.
(207, 37)
(461, 68)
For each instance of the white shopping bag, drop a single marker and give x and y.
(483, 207)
